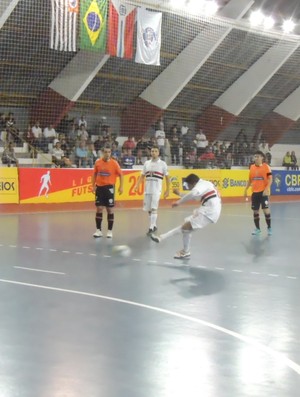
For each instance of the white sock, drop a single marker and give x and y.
(186, 238)
(170, 233)
(153, 218)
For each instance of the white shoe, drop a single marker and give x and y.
(98, 233)
(155, 238)
(182, 255)
(109, 234)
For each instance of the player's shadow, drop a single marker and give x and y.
(258, 248)
(197, 281)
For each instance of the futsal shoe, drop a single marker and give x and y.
(155, 238)
(256, 232)
(269, 231)
(109, 234)
(182, 255)
(151, 231)
(98, 233)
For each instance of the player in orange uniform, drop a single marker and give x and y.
(106, 171)
(260, 179)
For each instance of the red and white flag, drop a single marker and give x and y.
(121, 22)
(64, 24)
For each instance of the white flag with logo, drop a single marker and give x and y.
(64, 24)
(148, 37)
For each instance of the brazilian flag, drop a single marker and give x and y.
(93, 25)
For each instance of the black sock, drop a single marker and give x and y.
(256, 221)
(98, 220)
(268, 220)
(110, 221)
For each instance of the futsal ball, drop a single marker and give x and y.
(121, 250)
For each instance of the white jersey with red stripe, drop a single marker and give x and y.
(154, 172)
(205, 192)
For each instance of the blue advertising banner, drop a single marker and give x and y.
(285, 182)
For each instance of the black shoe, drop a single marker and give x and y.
(151, 231)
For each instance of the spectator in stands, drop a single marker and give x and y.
(81, 155)
(59, 158)
(11, 129)
(8, 155)
(49, 134)
(160, 136)
(264, 147)
(98, 144)
(207, 159)
(287, 161)
(82, 121)
(91, 155)
(83, 135)
(129, 143)
(142, 151)
(175, 143)
(294, 161)
(188, 143)
(115, 152)
(127, 159)
(190, 157)
(201, 142)
(37, 132)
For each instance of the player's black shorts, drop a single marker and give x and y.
(105, 196)
(258, 199)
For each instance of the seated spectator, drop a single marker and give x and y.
(207, 159)
(294, 161)
(190, 158)
(98, 144)
(287, 160)
(141, 150)
(127, 159)
(49, 134)
(129, 143)
(59, 158)
(8, 155)
(81, 154)
(91, 155)
(115, 152)
(83, 135)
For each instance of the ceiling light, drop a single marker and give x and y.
(210, 8)
(288, 26)
(269, 22)
(256, 18)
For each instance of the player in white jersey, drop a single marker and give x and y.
(154, 171)
(208, 212)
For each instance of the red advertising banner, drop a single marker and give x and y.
(56, 185)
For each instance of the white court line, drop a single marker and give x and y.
(279, 357)
(37, 270)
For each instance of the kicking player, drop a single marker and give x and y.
(260, 179)
(154, 171)
(106, 171)
(208, 212)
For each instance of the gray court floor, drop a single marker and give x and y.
(78, 321)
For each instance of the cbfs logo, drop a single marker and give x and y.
(277, 182)
(174, 182)
(225, 183)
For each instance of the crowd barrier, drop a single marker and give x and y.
(42, 185)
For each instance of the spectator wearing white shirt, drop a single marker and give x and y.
(201, 142)
(160, 136)
(49, 134)
(83, 135)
